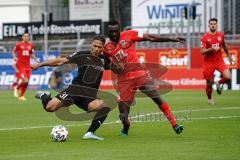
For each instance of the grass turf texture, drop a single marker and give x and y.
(211, 132)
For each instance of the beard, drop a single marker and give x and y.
(213, 29)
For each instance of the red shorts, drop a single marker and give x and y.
(210, 67)
(24, 73)
(127, 89)
(17, 75)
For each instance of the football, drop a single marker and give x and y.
(59, 133)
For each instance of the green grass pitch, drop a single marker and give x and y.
(211, 132)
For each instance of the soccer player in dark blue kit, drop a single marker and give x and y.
(83, 90)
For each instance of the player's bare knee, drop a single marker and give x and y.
(96, 105)
(51, 106)
(25, 80)
(123, 116)
(228, 77)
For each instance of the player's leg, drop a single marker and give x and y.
(226, 76)
(102, 111)
(208, 74)
(25, 75)
(49, 104)
(148, 88)
(15, 84)
(126, 91)
(124, 109)
(209, 89)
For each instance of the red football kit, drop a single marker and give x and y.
(24, 50)
(124, 53)
(213, 61)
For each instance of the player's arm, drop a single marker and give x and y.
(15, 67)
(157, 38)
(14, 53)
(35, 58)
(52, 62)
(205, 51)
(225, 48)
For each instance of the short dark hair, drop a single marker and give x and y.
(112, 23)
(213, 19)
(26, 33)
(100, 38)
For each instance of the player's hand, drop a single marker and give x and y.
(117, 68)
(231, 61)
(215, 48)
(180, 39)
(15, 59)
(35, 66)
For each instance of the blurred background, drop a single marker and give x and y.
(61, 27)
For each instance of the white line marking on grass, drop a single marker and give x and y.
(39, 127)
(197, 118)
(189, 110)
(192, 110)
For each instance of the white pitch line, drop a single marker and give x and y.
(197, 118)
(189, 110)
(84, 124)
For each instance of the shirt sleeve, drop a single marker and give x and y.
(135, 35)
(74, 57)
(203, 43)
(78, 58)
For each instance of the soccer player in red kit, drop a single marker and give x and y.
(212, 44)
(121, 51)
(21, 55)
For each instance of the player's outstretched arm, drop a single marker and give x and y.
(157, 38)
(52, 62)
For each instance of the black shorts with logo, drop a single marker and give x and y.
(78, 95)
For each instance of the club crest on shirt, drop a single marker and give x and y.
(125, 44)
(22, 47)
(29, 47)
(219, 38)
(209, 40)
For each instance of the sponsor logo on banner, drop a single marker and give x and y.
(141, 57)
(39, 79)
(167, 16)
(89, 9)
(173, 59)
(84, 27)
(36, 81)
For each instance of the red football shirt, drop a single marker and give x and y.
(24, 50)
(124, 53)
(209, 40)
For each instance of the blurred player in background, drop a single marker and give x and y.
(122, 52)
(21, 55)
(212, 44)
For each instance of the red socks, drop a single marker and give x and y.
(223, 80)
(209, 92)
(167, 112)
(23, 86)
